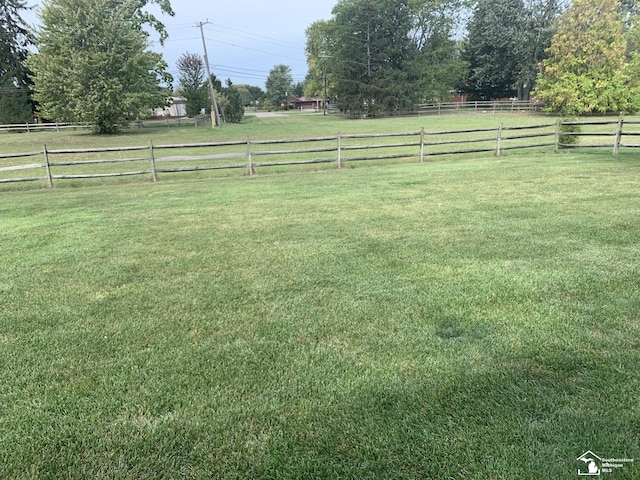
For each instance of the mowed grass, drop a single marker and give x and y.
(289, 126)
(465, 319)
(293, 125)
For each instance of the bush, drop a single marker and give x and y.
(234, 110)
(569, 132)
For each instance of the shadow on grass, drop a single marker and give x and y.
(510, 418)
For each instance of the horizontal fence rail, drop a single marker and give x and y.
(40, 127)
(53, 166)
(151, 122)
(200, 120)
(479, 106)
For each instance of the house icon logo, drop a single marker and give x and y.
(592, 464)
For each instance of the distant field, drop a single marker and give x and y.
(291, 126)
(474, 318)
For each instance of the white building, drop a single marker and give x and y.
(176, 108)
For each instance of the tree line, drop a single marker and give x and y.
(93, 63)
(386, 55)
(231, 100)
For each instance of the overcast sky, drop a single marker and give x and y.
(245, 38)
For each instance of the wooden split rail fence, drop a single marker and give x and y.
(41, 127)
(153, 122)
(157, 160)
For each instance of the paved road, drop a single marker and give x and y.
(266, 114)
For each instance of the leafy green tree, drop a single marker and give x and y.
(250, 94)
(632, 69)
(217, 87)
(15, 85)
(191, 84)
(233, 111)
(298, 89)
(587, 70)
(385, 55)
(629, 9)
(217, 83)
(505, 43)
(494, 44)
(374, 63)
(540, 16)
(443, 68)
(257, 94)
(15, 105)
(279, 85)
(317, 50)
(245, 94)
(94, 65)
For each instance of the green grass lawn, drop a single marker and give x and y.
(289, 126)
(474, 318)
(292, 126)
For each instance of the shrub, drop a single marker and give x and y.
(569, 132)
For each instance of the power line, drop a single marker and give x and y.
(254, 36)
(249, 76)
(253, 49)
(154, 42)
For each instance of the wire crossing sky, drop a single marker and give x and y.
(245, 38)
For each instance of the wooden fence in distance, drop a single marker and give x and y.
(42, 127)
(421, 109)
(152, 160)
(479, 106)
(168, 122)
(485, 106)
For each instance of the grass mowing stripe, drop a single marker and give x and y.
(463, 319)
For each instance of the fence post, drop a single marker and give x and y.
(47, 166)
(152, 157)
(339, 160)
(557, 145)
(250, 170)
(499, 141)
(616, 146)
(422, 145)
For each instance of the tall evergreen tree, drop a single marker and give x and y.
(505, 43)
(94, 65)
(191, 82)
(587, 70)
(494, 46)
(442, 67)
(234, 108)
(375, 62)
(385, 55)
(279, 85)
(15, 105)
(317, 50)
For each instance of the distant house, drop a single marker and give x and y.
(304, 103)
(460, 97)
(176, 108)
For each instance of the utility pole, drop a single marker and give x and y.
(215, 116)
(324, 74)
